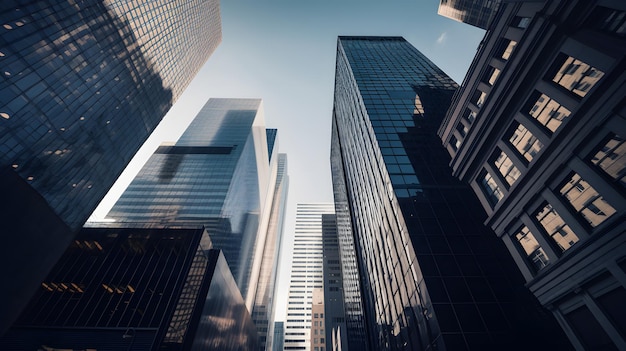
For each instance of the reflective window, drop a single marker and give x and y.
(520, 22)
(505, 48)
(577, 76)
(534, 252)
(556, 227)
(469, 115)
(608, 20)
(525, 142)
(611, 158)
(478, 98)
(456, 143)
(586, 200)
(462, 129)
(548, 112)
(509, 172)
(491, 75)
(491, 189)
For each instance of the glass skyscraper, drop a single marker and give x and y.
(430, 275)
(478, 13)
(82, 86)
(217, 175)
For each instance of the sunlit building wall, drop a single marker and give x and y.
(478, 13)
(82, 86)
(217, 175)
(279, 336)
(136, 289)
(432, 276)
(307, 273)
(537, 130)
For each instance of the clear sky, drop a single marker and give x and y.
(284, 52)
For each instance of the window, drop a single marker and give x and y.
(608, 20)
(491, 189)
(556, 228)
(505, 48)
(462, 129)
(611, 158)
(455, 143)
(491, 75)
(586, 200)
(520, 22)
(478, 98)
(577, 76)
(526, 143)
(547, 111)
(469, 115)
(534, 252)
(509, 172)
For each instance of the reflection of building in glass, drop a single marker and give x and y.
(83, 84)
(307, 273)
(217, 175)
(264, 304)
(431, 276)
(478, 13)
(136, 289)
(279, 336)
(556, 113)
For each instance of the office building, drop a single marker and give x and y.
(478, 13)
(83, 84)
(217, 175)
(121, 288)
(318, 321)
(432, 276)
(307, 272)
(279, 336)
(264, 305)
(537, 130)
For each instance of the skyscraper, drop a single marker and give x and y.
(307, 272)
(478, 13)
(279, 336)
(83, 84)
(264, 304)
(119, 288)
(431, 276)
(538, 131)
(217, 175)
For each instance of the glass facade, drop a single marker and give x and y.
(82, 86)
(135, 289)
(217, 176)
(478, 13)
(431, 275)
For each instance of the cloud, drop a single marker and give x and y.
(442, 38)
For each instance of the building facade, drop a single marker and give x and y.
(279, 336)
(136, 289)
(537, 130)
(264, 305)
(82, 87)
(217, 175)
(478, 13)
(307, 273)
(432, 275)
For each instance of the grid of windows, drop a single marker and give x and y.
(577, 76)
(586, 200)
(556, 227)
(548, 112)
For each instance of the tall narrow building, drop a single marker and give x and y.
(83, 84)
(264, 304)
(217, 175)
(431, 275)
(538, 132)
(307, 272)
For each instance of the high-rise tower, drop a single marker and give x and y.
(538, 132)
(430, 275)
(83, 84)
(217, 175)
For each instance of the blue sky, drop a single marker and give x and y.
(284, 52)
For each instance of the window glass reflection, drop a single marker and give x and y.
(586, 200)
(549, 112)
(491, 188)
(577, 76)
(534, 252)
(509, 172)
(525, 142)
(556, 227)
(611, 158)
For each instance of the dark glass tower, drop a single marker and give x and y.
(217, 175)
(82, 86)
(430, 275)
(136, 289)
